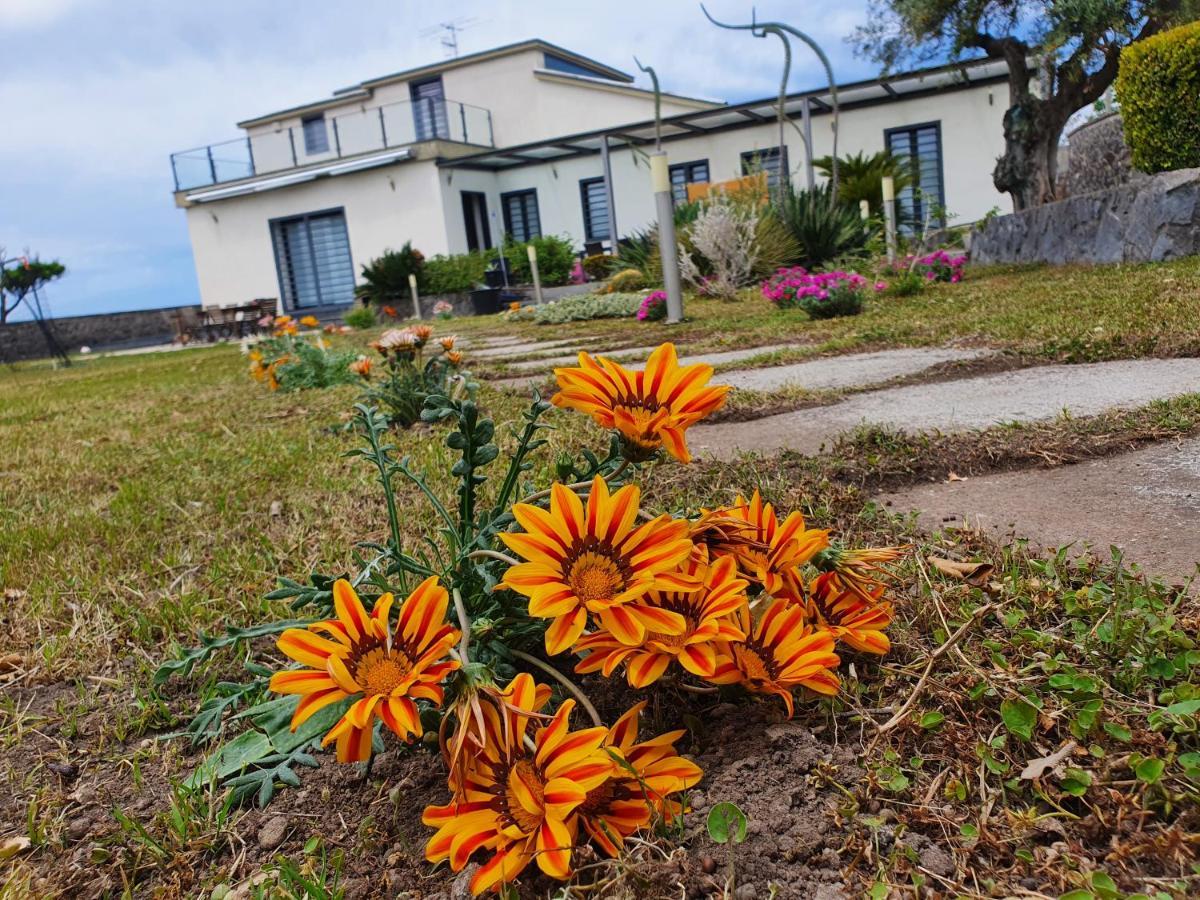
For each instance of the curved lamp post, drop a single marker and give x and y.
(780, 30)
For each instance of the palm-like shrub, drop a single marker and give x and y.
(824, 230)
(385, 278)
(860, 177)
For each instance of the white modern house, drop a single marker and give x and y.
(531, 139)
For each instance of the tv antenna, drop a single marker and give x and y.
(450, 32)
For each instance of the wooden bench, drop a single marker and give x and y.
(235, 322)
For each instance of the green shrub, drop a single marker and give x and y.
(1158, 88)
(385, 278)
(309, 366)
(456, 274)
(598, 265)
(626, 280)
(824, 230)
(860, 177)
(556, 259)
(360, 317)
(587, 306)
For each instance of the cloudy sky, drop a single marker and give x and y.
(97, 94)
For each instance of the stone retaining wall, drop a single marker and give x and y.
(104, 331)
(1157, 218)
(1099, 157)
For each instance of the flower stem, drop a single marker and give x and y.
(465, 624)
(578, 486)
(493, 554)
(564, 681)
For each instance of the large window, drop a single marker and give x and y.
(767, 160)
(312, 254)
(429, 110)
(920, 146)
(316, 135)
(683, 174)
(596, 220)
(521, 215)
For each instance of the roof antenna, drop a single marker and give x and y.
(450, 31)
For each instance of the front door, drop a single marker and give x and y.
(475, 220)
(429, 110)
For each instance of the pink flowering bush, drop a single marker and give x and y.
(823, 295)
(653, 308)
(939, 265)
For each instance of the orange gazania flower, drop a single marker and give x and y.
(310, 321)
(454, 357)
(858, 569)
(519, 801)
(421, 334)
(708, 617)
(780, 653)
(767, 550)
(514, 306)
(390, 312)
(596, 560)
(641, 787)
(282, 320)
(363, 655)
(361, 366)
(651, 409)
(448, 341)
(837, 607)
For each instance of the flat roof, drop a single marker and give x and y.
(853, 94)
(364, 88)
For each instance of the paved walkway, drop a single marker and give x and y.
(1018, 396)
(1147, 503)
(850, 370)
(636, 356)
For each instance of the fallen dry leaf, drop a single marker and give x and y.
(953, 477)
(276, 509)
(973, 573)
(13, 593)
(10, 661)
(10, 847)
(1036, 768)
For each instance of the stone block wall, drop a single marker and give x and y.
(105, 331)
(1149, 219)
(1099, 157)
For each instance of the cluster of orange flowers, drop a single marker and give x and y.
(530, 787)
(402, 344)
(736, 595)
(265, 372)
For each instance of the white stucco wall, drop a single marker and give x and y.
(415, 200)
(231, 239)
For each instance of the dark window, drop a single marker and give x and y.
(768, 161)
(595, 209)
(558, 63)
(429, 110)
(312, 254)
(920, 147)
(475, 220)
(683, 174)
(316, 135)
(521, 215)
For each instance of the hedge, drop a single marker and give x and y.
(1158, 88)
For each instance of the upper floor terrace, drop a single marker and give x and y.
(323, 138)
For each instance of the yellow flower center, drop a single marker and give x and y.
(528, 773)
(595, 578)
(381, 670)
(755, 669)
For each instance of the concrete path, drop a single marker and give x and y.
(636, 356)
(525, 348)
(1147, 503)
(851, 370)
(1018, 396)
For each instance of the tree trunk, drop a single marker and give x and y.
(1029, 167)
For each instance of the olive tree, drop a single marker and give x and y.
(1061, 56)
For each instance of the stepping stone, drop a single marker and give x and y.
(571, 359)
(851, 370)
(1147, 503)
(1020, 396)
(525, 348)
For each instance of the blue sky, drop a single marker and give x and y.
(98, 93)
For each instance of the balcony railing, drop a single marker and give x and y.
(349, 134)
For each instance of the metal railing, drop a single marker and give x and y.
(349, 134)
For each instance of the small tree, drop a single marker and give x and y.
(16, 282)
(1061, 55)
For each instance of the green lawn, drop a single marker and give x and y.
(143, 498)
